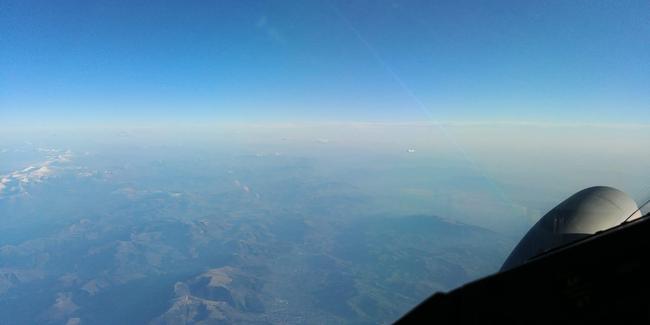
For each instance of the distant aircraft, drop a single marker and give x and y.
(587, 261)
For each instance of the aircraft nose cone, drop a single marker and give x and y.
(584, 213)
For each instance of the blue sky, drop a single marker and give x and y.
(564, 61)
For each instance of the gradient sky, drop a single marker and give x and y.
(566, 61)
